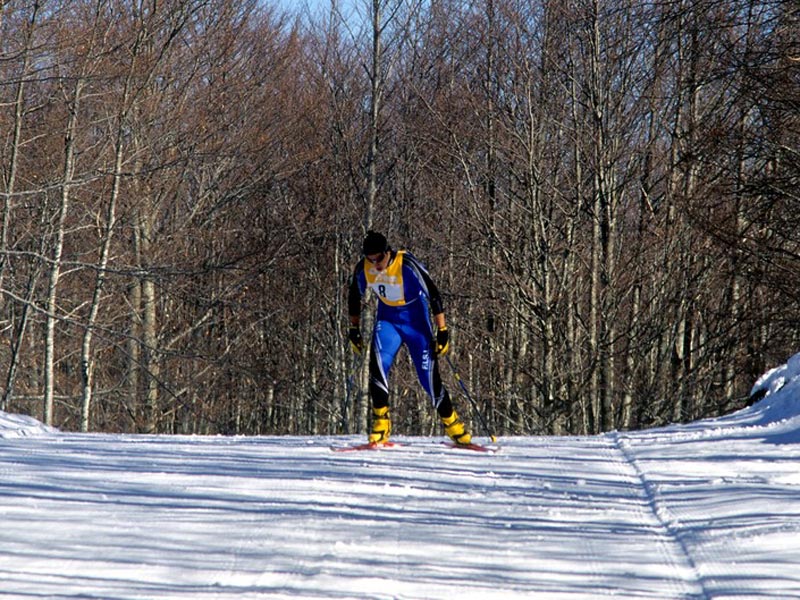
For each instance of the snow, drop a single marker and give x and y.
(705, 510)
(14, 426)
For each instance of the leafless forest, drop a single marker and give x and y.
(605, 192)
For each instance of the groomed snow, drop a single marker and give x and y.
(706, 510)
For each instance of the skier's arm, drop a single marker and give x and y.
(355, 293)
(441, 340)
(428, 287)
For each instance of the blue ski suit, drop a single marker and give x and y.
(407, 295)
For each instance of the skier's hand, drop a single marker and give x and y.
(356, 341)
(441, 343)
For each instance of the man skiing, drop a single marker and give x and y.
(407, 297)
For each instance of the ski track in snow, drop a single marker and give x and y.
(709, 510)
(669, 542)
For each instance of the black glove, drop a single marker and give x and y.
(441, 344)
(356, 341)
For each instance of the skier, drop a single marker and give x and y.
(407, 296)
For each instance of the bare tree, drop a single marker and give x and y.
(9, 181)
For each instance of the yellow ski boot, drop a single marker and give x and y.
(381, 426)
(455, 429)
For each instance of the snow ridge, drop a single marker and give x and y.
(18, 426)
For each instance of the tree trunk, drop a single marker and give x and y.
(150, 363)
(376, 93)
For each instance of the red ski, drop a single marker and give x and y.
(365, 446)
(473, 446)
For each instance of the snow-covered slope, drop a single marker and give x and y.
(705, 510)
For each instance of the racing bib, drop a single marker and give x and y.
(387, 284)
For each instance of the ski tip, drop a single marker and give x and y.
(473, 446)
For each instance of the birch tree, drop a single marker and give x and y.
(75, 79)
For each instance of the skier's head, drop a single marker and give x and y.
(375, 243)
(376, 250)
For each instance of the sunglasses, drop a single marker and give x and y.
(377, 259)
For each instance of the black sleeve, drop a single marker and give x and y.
(354, 293)
(437, 305)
